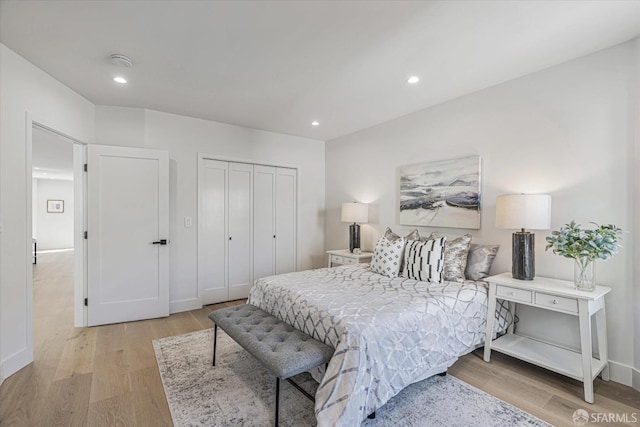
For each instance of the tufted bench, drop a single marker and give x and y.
(283, 349)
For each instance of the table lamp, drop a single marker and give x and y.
(522, 211)
(356, 213)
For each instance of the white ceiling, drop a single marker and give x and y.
(52, 156)
(278, 65)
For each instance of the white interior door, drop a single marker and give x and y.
(128, 219)
(285, 220)
(264, 183)
(240, 229)
(212, 231)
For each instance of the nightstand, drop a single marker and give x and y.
(343, 256)
(563, 297)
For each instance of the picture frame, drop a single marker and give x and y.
(55, 206)
(444, 193)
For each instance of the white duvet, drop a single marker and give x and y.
(387, 333)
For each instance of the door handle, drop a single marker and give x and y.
(160, 242)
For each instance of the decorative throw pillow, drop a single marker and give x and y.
(480, 260)
(455, 257)
(392, 237)
(424, 260)
(387, 257)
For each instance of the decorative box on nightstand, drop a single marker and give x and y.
(343, 256)
(560, 296)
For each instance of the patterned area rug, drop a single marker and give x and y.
(239, 391)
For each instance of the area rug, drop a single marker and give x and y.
(239, 391)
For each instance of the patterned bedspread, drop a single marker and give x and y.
(387, 333)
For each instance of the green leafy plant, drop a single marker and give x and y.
(572, 241)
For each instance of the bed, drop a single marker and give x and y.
(387, 332)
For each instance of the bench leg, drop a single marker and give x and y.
(215, 336)
(277, 399)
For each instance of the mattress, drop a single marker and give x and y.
(387, 333)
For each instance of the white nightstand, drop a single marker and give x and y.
(343, 256)
(556, 295)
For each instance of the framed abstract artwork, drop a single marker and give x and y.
(55, 206)
(445, 193)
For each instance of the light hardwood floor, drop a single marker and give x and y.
(107, 375)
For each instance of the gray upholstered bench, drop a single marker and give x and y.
(280, 347)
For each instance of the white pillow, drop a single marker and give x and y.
(425, 260)
(387, 257)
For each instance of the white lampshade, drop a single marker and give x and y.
(355, 212)
(532, 211)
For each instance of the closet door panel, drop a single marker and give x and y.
(212, 232)
(285, 200)
(264, 182)
(240, 229)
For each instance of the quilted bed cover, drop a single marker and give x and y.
(387, 333)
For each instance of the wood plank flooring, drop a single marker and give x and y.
(107, 375)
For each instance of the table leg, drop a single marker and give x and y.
(512, 310)
(601, 330)
(491, 315)
(586, 348)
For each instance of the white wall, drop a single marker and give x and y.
(184, 137)
(567, 131)
(25, 89)
(636, 194)
(54, 230)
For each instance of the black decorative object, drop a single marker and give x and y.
(354, 237)
(523, 255)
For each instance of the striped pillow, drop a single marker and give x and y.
(424, 260)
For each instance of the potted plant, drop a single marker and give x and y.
(585, 246)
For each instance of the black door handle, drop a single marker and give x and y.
(160, 242)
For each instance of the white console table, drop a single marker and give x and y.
(563, 297)
(344, 257)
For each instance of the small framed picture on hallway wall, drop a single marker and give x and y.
(55, 206)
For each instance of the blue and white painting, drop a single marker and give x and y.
(445, 193)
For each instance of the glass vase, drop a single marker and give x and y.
(584, 274)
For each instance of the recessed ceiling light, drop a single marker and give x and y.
(37, 169)
(413, 80)
(120, 80)
(315, 123)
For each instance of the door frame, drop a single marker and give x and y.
(205, 156)
(79, 219)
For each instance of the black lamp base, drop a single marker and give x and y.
(354, 237)
(523, 253)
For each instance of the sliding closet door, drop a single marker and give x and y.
(285, 222)
(264, 185)
(240, 222)
(212, 231)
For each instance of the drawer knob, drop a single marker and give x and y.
(555, 301)
(512, 293)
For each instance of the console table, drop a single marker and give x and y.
(554, 295)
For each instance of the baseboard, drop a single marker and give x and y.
(635, 380)
(15, 362)
(184, 305)
(621, 373)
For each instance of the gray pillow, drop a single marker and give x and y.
(480, 260)
(455, 257)
(392, 237)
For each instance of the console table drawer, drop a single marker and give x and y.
(337, 259)
(556, 302)
(513, 294)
